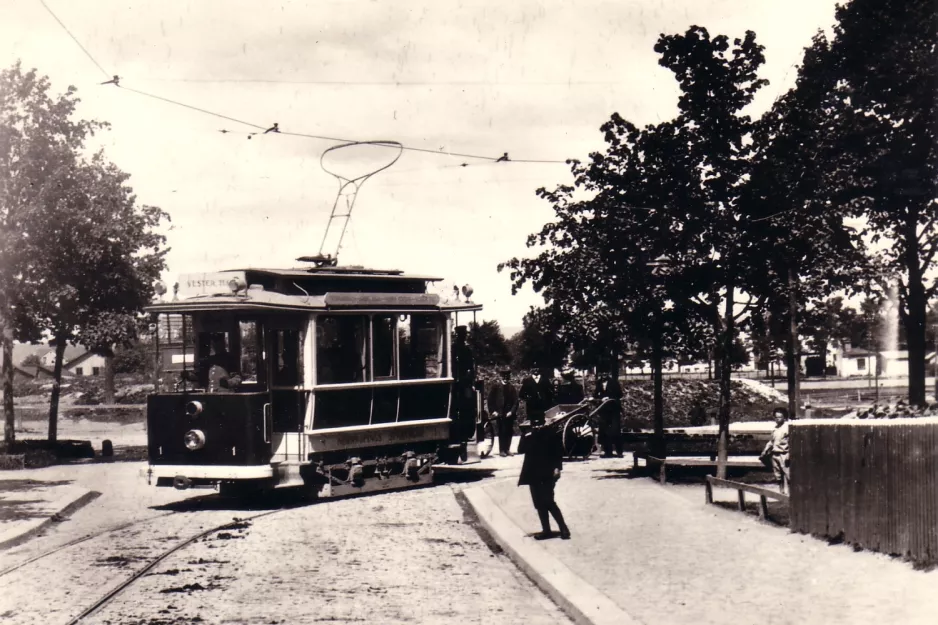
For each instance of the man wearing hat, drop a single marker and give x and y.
(610, 415)
(538, 396)
(464, 377)
(569, 391)
(503, 408)
(543, 462)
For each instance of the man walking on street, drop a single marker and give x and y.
(503, 407)
(538, 396)
(543, 462)
(777, 448)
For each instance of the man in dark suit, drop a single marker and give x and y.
(610, 416)
(464, 394)
(569, 391)
(503, 408)
(543, 462)
(538, 396)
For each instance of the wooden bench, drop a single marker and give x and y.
(763, 492)
(664, 463)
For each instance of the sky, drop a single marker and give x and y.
(479, 78)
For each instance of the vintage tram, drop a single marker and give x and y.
(341, 379)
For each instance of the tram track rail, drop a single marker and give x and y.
(78, 541)
(137, 575)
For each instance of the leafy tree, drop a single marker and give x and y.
(86, 254)
(829, 323)
(719, 258)
(488, 344)
(39, 139)
(883, 62)
(136, 358)
(739, 357)
(539, 344)
(808, 252)
(33, 360)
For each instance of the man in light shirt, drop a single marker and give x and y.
(777, 448)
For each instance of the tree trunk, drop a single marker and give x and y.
(793, 347)
(109, 377)
(915, 333)
(656, 366)
(56, 388)
(725, 344)
(9, 429)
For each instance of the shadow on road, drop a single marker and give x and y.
(297, 496)
(618, 474)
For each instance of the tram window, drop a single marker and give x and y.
(383, 331)
(250, 353)
(170, 330)
(423, 350)
(286, 351)
(341, 349)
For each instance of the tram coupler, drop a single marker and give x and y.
(181, 482)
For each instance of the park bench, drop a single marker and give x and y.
(763, 492)
(677, 461)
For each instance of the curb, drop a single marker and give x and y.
(63, 507)
(583, 603)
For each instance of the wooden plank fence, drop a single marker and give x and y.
(873, 483)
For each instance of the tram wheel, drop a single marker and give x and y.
(578, 437)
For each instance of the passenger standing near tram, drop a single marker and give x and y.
(543, 462)
(610, 416)
(538, 396)
(464, 377)
(503, 408)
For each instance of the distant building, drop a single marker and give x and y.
(87, 364)
(856, 361)
(72, 352)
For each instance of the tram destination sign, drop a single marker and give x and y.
(194, 284)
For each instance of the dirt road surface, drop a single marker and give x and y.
(406, 557)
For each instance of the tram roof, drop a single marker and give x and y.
(260, 299)
(317, 288)
(344, 273)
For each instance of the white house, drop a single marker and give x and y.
(72, 352)
(856, 361)
(86, 364)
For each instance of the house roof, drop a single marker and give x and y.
(22, 351)
(78, 359)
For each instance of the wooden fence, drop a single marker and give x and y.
(873, 484)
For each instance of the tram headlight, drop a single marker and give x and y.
(194, 439)
(193, 408)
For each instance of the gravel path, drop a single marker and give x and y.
(665, 557)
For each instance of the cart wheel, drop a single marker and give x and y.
(578, 437)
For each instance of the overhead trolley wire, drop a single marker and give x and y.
(275, 128)
(75, 39)
(194, 108)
